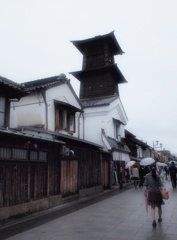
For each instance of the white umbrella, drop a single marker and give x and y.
(147, 161)
(160, 164)
(130, 164)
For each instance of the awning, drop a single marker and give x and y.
(120, 156)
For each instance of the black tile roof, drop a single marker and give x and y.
(110, 38)
(21, 133)
(59, 136)
(45, 82)
(129, 134)
(118, 145)
(15, 90)
(99, 101)
(113, 69)
(9, 83)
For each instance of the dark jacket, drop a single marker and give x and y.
(172, 171)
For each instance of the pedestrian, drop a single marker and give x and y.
(127, 176)
(167, 172)
(135, 176)
(162, 174)
(173, 171)
(154, 198)
(120, 177)
(141, 174)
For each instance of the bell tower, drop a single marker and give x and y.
(100, 75)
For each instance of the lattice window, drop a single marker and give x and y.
(64, 119)
(2, 111)
(42, 156)
(38, 156)
(19, 154)
(5, 153)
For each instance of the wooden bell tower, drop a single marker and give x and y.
(100, 75)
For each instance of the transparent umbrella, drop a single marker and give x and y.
(130, 164)
(147, 161)
(160, 164)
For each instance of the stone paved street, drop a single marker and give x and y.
(121, 216)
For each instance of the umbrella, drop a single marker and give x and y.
(130, 164)
(173, 161)
(160, 164)
(147, 161)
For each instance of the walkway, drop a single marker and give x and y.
(121, 216)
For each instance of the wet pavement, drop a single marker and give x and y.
(118, 214)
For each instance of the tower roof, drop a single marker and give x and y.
(109, 38)
(114, 70)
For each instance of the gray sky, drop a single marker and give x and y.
(35, 43)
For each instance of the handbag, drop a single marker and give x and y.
(164, 193)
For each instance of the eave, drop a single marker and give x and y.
(109, 38)
(20, 133)
(11, 90)
(67, 105)
(44, 83)
(113, 69)
(61, 137)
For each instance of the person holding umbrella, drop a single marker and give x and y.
(154, 198)
(135, 176)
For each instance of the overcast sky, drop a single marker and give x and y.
(35, 42)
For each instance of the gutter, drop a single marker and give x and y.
(43, 92)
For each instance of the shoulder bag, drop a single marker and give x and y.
(164, 193)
